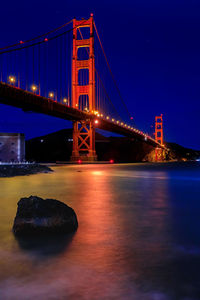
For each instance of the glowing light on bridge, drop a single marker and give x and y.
(96, 121)
(34, 87)
(51, 95)
(12, 79)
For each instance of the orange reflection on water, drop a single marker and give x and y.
(97, 218)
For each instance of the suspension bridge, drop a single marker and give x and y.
(65, 73)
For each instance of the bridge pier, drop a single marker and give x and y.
(160, 155)
(83, 141)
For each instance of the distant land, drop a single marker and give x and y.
(57, 146)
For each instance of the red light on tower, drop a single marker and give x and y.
(131, 118)
(46, 39)
(111, 161)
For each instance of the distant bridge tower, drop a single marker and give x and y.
(83, 131)
(159, 129)
(159, 152)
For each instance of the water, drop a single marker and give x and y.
(138, 235)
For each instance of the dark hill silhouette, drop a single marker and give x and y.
(57, 146)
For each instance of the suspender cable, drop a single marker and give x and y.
(19, 67)
(39, 75)
(1, 59)
(61, 51)
(33, 65)
(113, 78)
(26, 67)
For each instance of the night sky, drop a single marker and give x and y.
(153, 48)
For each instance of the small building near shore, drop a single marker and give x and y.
(12, 147)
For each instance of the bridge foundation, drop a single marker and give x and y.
(83, 141)
(160, 155)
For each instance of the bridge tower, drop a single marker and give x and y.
(159, 129)
(83, 131)
(159, 152)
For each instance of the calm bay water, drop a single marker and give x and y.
(138, 235)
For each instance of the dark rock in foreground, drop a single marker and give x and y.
(22, 169)
(37, 216)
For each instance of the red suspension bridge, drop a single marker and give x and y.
(65, 73)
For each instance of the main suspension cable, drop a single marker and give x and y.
(43, 41)
(37, 37)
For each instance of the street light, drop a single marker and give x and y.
(34, 88)
(12, 79)
(51, 95)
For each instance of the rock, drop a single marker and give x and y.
(22, 169)
(37, 216)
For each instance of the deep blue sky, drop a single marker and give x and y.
(153, 48)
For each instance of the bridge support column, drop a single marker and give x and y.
(159, 154)
(83, 141)
(83, 131)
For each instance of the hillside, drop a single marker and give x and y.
(57, 146)
(181, 153)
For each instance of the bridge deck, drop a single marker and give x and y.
(28, 101)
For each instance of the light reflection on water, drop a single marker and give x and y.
(138, 235)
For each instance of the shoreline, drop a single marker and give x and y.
(13, 170)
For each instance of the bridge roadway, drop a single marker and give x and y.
(28, 101)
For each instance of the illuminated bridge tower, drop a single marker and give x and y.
(159, 152)
(159, 129)
(83, 131)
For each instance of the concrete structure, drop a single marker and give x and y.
(12, 147)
